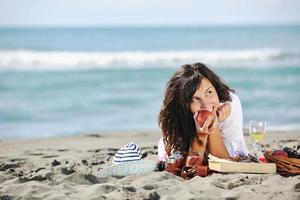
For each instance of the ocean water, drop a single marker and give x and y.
(64, 81)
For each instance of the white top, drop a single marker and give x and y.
(231, 131)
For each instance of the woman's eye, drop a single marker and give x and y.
(194, 100)
(209, 92)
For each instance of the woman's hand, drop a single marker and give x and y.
(224, 111)
(209, 127)
(211, 130)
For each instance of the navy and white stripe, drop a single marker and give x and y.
(131, 152)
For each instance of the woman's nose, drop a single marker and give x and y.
(205, 105)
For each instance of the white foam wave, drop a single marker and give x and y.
(55, 60)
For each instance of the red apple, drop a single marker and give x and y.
(280, 153)
(202, 116)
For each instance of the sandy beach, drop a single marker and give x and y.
(64, 168)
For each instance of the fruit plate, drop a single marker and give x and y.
(284, 165)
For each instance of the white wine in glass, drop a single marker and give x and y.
(257, 136)
(257, 131)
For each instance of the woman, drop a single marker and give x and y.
(191, 89)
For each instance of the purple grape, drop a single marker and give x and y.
(242, 155)
(291, 152)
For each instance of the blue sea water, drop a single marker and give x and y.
(63, 81)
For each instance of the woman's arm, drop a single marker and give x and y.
(210, 133)
(215, 145)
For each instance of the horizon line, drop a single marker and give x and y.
(152, 25)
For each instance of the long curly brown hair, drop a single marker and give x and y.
(175, 117)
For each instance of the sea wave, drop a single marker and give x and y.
(61, 60)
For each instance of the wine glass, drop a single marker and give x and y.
(257, 131)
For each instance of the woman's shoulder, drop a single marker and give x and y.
(235, 102)
(232, 126)
(236, 110)
(234, 97)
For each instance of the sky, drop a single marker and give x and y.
(39, 13)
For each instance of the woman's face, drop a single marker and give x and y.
(205, 98)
